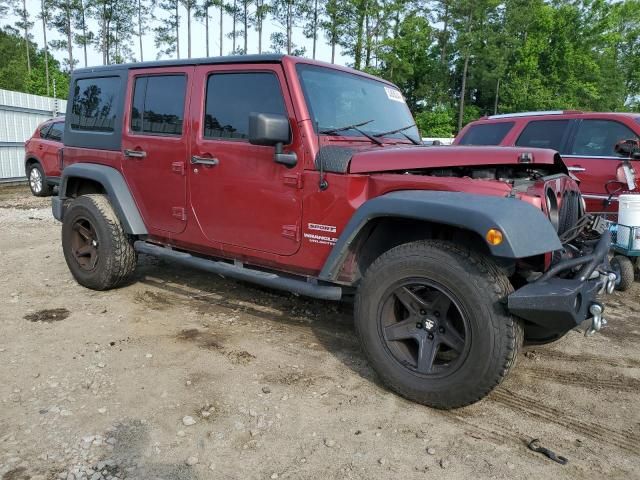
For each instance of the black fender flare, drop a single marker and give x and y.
(526, 230)
(114, 185)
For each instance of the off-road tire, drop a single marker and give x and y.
(623, 266)
(46, 189)
(478, 286)
(116, 257)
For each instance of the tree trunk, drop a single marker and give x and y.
(315, 27)
(69, 36)
(221, 31)
(289, 28)
(26, 34)
(463, 90)
(188, 29)
(177, 30)
(233, 26)
(206, 24)
(333, 51)
(495, 105)
(84, 32)
(259, 24)
(246, 19)
(46, 46)
(140, 29)
(357, 57)
(445, 34)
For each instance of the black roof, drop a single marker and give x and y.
(264, 58)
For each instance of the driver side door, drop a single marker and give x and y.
(243, 201)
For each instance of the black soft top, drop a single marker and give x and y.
(263, 58)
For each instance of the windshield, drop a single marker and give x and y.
(337, 99)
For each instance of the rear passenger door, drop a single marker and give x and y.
(155, 145)
(592, 158)
(242, 199)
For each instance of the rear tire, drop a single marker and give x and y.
(433, 296)
(99, 254)
(623, 267)
(38, 181)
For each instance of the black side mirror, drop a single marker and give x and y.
(272, 130)
(629, 149)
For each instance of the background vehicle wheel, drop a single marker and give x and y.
(98, 252)
(431, 322)
(38, 181)
(623, 267)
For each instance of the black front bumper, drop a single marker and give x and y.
(556, 305)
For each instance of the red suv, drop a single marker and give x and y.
(311, 178)
(41, 160)
(585, 140)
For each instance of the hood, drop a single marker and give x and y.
(418, 157)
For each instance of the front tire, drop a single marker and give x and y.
(38, 181)
(431, 322)
(99, 254)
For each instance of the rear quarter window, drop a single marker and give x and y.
(94, 104)
(486, 133)
(56, 131)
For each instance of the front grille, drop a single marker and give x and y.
(569, 211)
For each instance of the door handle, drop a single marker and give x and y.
(195, 160)
(135, 153)
(576, 169)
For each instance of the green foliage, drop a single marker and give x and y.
(13, 70)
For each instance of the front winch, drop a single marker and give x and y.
(597, 321)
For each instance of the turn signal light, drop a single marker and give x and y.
(494, 237)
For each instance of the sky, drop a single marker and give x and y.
(198, 45)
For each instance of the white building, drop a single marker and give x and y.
(20, 114)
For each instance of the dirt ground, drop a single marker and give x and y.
(183, 375)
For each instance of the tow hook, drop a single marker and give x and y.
(609, 280)
(597, 320)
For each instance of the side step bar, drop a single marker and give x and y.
(266, 279)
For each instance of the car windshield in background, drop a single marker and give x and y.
(338, 99)
(486, 134)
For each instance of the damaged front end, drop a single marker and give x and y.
(566, 294)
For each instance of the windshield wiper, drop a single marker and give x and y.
(331, 131)
(400, 131)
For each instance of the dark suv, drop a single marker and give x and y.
(41, 159)
(311, 178)
(586, 141)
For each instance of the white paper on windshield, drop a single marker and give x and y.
(394, 94)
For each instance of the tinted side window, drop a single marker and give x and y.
(44, 130)
(158, 104)
(597, 138)
(55, 133)
(94, 104)
(543, 134)
(231, 97)
(486, 134)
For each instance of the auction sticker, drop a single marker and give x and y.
(394, 94)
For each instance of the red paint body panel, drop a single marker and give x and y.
(45, 151)
(592, 171)
(411, 158)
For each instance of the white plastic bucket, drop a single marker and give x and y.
(628, 215)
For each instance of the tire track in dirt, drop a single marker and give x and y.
(619, 383)
(586, 357)
(628, 441)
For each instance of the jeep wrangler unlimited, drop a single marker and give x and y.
(310, 178)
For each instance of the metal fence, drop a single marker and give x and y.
(20, 114)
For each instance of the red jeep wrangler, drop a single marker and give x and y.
(310, 178)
